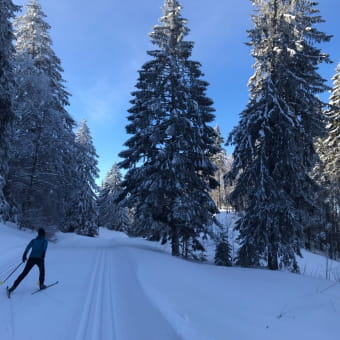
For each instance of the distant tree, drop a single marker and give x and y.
(45, 165)
(112, 215)
(83, 215)
(274, 141)
(223, 162)
(223, 251)
(169, 173)
(7, 86)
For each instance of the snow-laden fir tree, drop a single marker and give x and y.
(112, 215)
(83, 216)
(45, 165)
(30, 142)
(7, 10)
(169, 171)
(328, 170)
(223, 251)
(274, 141)
(330, 149)
(32, 36)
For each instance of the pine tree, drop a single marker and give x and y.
(7, 10)
(111, 214)
(274, 141)
(83, 216)
(169, 171)
(223, 252)
(45, 164)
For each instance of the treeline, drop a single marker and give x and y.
(283, 176)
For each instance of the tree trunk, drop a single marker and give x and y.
(272, 258)
(174, 241)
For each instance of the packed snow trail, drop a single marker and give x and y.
(98, 298)
(116, 306)
(116, 288)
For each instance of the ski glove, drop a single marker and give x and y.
(24, 258)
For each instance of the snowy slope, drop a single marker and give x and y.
(116, 288)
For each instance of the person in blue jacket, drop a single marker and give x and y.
(37, 257)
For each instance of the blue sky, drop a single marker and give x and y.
(103, 43)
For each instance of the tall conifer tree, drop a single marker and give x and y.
(274, 141)
(328, 170)
(32, 37)
(169, 171)
(83, 216)
(30, 140)
(330, 154)
(45, 164)
(7, 10)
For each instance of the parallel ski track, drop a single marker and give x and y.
(116, 306)
(96, 320)
(11, 323)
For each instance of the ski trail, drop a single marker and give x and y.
(96, 321)
(136, 317)
(10, 326)
(116, 307)
(7, 324)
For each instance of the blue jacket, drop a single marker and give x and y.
(39, 246)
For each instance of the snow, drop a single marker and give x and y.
(289, 17)
(117, 288)
(319, 266)
(291, 51)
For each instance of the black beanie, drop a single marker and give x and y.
(41, 232)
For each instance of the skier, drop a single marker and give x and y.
(37, 257)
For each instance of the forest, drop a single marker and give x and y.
(174, 175)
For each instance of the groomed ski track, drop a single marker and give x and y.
(121, 308)
(99, 297)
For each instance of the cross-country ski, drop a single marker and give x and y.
(46, 286)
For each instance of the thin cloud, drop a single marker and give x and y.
(102, 103)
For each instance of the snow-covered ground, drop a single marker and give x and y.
(116, 288)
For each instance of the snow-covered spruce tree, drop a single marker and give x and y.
(33, 37)
(112, 215)
(7, 10)
(83, 217)
(30, 142)
(274, 141)
(169, 171)
(223, 251)
(328, 170)
(44, 133)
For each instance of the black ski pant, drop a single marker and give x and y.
(29, 265)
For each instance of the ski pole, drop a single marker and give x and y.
(16, 268)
